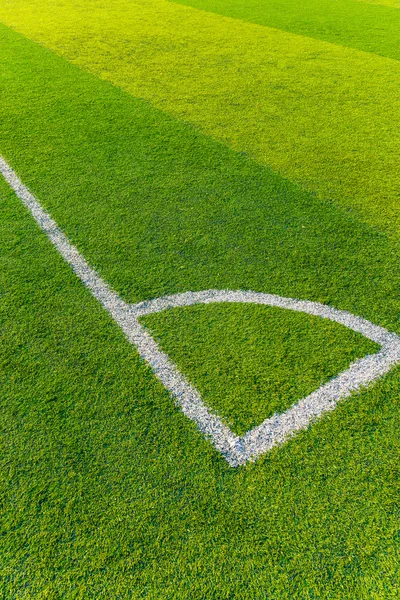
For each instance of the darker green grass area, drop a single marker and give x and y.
(357, 24)
(88, 436)
(249, 362)
(106, 489)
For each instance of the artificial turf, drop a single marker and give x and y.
(324, 115)
(248, 362)
(362, 24)
(107, 490)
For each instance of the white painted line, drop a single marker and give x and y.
(275, 430)
(280, 427)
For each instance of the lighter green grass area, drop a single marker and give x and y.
(249, 362)
(357, 24)
(391, 3)
(324, 115)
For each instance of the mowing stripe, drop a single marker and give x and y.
(317, 113)
(360, 24)
(275, 430)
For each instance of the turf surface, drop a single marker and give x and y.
(321, 114)
(107, 490)
(245, 360)
(362, 24)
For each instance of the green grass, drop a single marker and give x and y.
(106, 489)
(158, 208)
(320, 114)
(249, 362)
(357, 24)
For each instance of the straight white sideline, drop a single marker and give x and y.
(274, 430)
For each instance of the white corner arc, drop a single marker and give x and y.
(237, 450)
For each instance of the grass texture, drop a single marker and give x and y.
(323, 115)
(361, 24)
(391, 3)
(106, 489)
(251, 362)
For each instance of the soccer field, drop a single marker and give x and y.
(200, 299)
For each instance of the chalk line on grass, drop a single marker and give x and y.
(237, 450)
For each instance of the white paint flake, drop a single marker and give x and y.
(237, 450)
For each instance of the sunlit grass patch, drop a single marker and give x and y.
(321, 114)
(360, 24)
